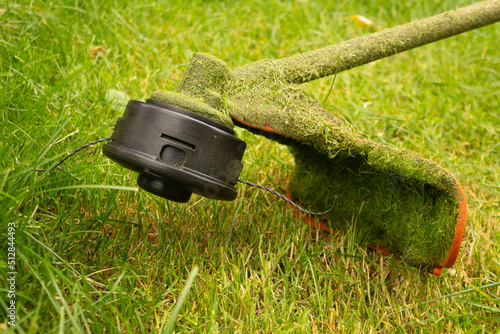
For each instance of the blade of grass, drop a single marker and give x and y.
(450, 296)
(178, 305)
(89, 186)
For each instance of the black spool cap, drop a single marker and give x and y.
(176, 152)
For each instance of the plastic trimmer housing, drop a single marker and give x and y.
(177, 152)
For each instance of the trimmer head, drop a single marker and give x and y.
(177, 152)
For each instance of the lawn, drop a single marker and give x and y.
(93, 253)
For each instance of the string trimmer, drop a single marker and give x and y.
(182, 142)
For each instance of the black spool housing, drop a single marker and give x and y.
(176, 152)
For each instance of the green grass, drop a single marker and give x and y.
(94, 254)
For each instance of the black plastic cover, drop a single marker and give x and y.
(176, 152)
